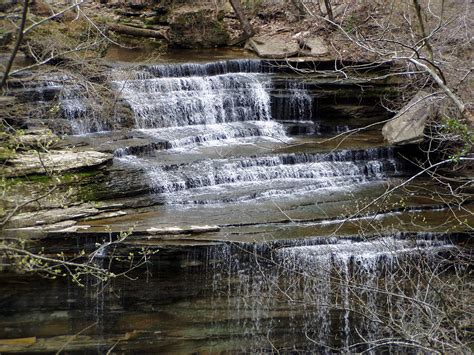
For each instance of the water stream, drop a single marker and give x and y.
(248, 148)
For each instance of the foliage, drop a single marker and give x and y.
(461, 132)
(19, 257)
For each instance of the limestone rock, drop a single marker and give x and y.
(313, 46)
(183, 230)
(409, 123)
(54, 161)
(53, 217)
(273, 47)
(37, 138)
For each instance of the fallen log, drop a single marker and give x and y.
(139, 32)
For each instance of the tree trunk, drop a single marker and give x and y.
(19, 38)
(423, 34)
(328, 5)
(246, 26)
(139, 32)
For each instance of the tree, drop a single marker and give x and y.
(246, 26)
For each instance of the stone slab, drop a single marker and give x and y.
(409, 123)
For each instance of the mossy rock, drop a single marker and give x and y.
(197, 28)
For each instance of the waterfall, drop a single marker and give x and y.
(81, 109)
(240, 179)
(239, 95)
(182, 101)
(201, 69)
(195, 94)
(322, 284)
(214, 134)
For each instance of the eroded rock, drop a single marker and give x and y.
(183, 230)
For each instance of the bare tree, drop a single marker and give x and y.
(246, 26)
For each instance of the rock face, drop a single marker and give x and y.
(273, 47)
(408, 125)
(197, 27)
(54, 161)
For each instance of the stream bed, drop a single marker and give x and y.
(268, 229)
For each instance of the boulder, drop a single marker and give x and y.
(197, 27)
(409, 123)
(273, 47)
(54, 161)
(313, 46)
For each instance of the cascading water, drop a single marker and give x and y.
(323, 285)
(82, 109)
(196, 94)
(226, 104)
(229, 172)
(170, 102)
(237, 179)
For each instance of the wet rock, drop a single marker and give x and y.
(182, 230)
(16, 344)
(57, 125)
(54, 161)
(409, 123)
(273, 47)
(106, 215)
(47, 227)
(197, 27)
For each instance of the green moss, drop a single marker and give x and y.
(61, 179)
(6, 153)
